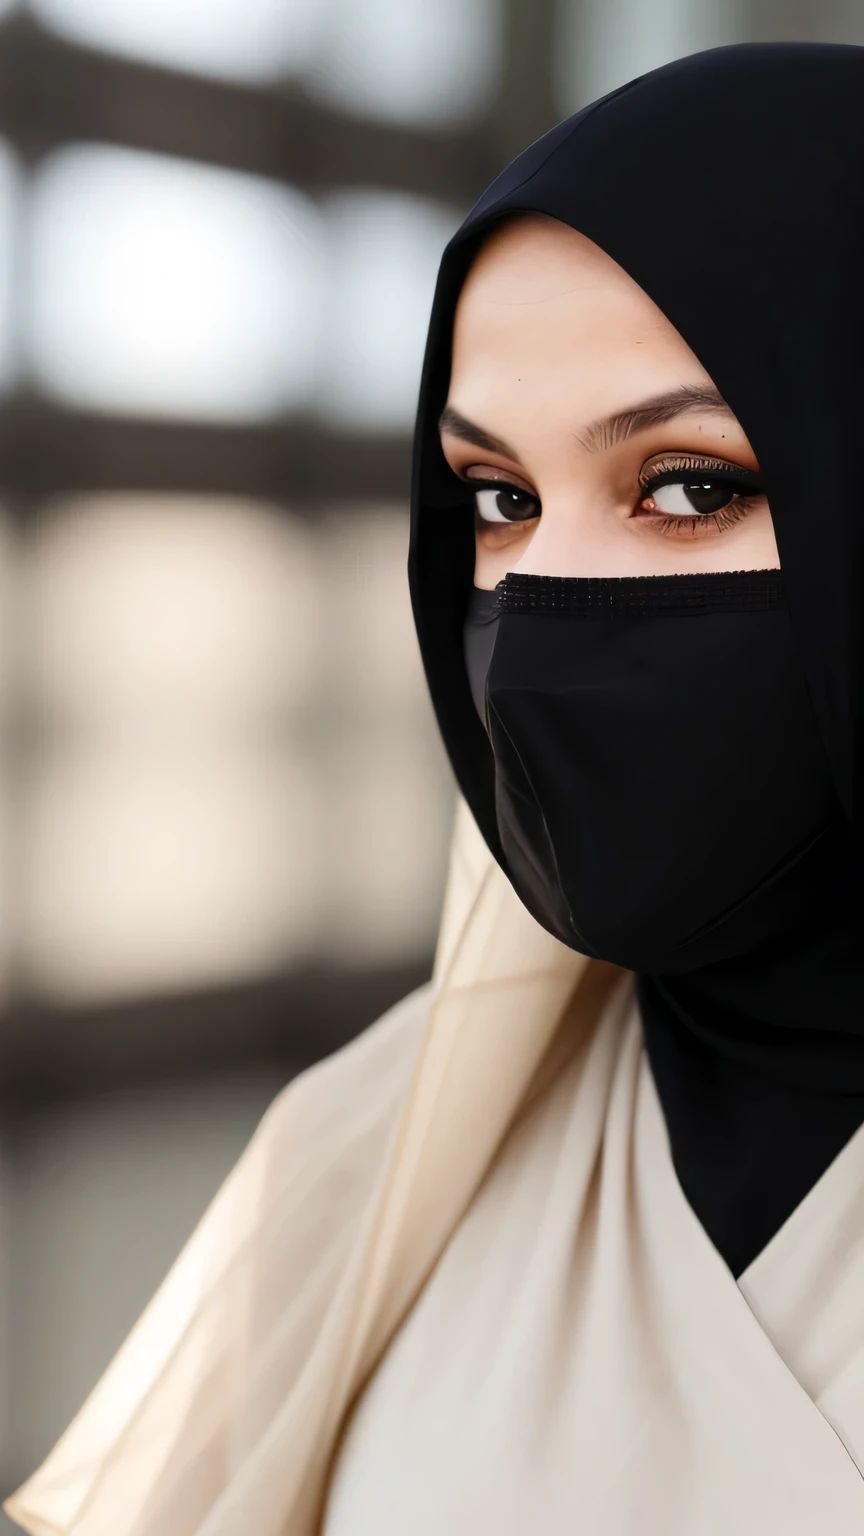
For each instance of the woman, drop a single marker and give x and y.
(547, 1247)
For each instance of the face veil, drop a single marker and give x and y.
(662, 797)
(730, 187)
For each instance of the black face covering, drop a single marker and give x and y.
(621, 711)
(669, 769)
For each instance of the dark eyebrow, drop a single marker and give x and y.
(609, 430)
(459, 426)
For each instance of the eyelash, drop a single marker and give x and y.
(672, 471)
(675, 469)
(725, 518)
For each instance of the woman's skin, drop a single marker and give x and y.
(569, 391)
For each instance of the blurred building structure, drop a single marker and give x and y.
(224, 811)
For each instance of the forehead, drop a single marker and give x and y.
(542, 299)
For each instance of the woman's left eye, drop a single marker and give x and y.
(697, 494)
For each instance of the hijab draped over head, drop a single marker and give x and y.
(730, 187)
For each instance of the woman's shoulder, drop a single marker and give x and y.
(345, 1095)
(317, 1153)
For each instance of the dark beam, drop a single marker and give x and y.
(46, 450)
(50, 1055)
(526, 106)
(52, 91)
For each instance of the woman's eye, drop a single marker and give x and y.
(505, 504)
(684, 498)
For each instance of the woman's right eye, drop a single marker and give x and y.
(500, 503)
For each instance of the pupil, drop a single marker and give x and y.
(708, 498)
(509, 503)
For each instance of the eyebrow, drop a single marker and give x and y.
(456, 425)
(610, 430)
(607, 431)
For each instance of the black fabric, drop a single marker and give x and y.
(591, 680)
(481, 628)
(623, 736)
(731, 187)
(747, 1148)
(610, 597)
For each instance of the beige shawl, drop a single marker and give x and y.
(220, 1413)
(223, 1414)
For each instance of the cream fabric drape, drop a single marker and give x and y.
(220, 1413)
(582, 1360)
(454, 1285)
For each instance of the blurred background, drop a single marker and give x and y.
(224, 811)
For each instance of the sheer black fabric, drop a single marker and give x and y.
(730, 186)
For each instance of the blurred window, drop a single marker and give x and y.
(603, 45)
(217, 750)
(10, 237)
(430, 62)
(237, 768)
(384, 250)
(371, 669)
(10, 651)
(170, 289)
(189, 616)
(248, 40)
(380, 763)
(151, 872)
(170, 817)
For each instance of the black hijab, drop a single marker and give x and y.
(730, 186)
